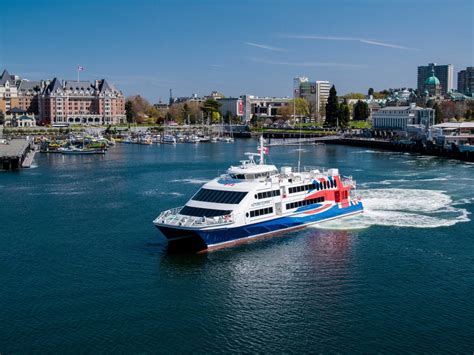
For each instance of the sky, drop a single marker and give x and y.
(241, 47)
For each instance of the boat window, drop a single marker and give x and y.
(335, 183)
(312, 186)
(267, 194)
(202, 212)
(301, 203)
(219, 196)
(240, 176)
(261, 212)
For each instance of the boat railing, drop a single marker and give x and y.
(347, 181)
(174, 218)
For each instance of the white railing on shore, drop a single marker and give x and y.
(172, 217)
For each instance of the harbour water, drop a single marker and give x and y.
(82, 268)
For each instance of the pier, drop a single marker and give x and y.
(16, 154)
(418, 146)
(304, 140)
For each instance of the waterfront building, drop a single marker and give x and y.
(81, 102)
(466, 81)
(8, 91)
(234, 105)
(401, 118)
(267, 106)
(315, 92)
(28, 95)
(62, 102)
(460, 134)
(444, 73)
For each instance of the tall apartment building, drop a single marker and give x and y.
(466, 81)
(63, 102)
(445, 74)
(315, 92)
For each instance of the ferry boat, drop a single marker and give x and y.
(255, 199)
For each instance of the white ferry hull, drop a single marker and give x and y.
(181, 238)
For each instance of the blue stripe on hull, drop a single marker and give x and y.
(219, 236)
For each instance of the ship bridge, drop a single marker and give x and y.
(249, 170)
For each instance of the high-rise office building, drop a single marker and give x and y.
(445, 74)
(466, 81)
(315, 92)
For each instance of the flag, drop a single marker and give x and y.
(265, 150)
(79, 68)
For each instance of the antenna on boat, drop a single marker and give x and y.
(294, 115)
(261, 150)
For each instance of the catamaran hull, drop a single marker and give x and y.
(180, 239)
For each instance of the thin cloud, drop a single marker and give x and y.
(216, 66)
(310, 64)
(264, 46)
(354, 39)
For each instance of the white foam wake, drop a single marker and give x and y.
(403, 208)
(191, 181)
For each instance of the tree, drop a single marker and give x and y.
(228, 117)
(210, 108)
(361, 111)
(371, 91)
(298, 106)
(312, 109)
(344, 115)
(136, 109)
(322, 111)
(354, 95)
(468, 115)
(438, 113)
(186, 113)
(130, 114)
(332, 108)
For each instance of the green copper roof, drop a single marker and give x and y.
(432, 80)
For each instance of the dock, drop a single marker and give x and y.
(16, 154)
(302, 140)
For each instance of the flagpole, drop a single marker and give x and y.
(78, 73)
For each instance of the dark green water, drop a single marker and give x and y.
(82, 269)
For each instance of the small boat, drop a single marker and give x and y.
(80, 151)
(169, 139)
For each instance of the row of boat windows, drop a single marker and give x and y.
(251, 176)
(314, 186)
(260, 212)
(218, 196)
(202, 212)
(267, 194)
(296, 204)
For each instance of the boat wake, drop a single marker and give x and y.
(191, 181)
(414, 208)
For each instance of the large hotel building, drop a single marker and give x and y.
(63, 103)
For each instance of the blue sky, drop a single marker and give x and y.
(235, 47)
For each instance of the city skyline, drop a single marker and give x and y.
(236, 48)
